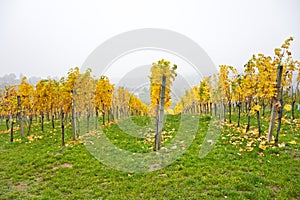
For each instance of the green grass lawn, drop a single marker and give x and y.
(39, 168)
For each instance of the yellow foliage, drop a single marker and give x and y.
(263, 147)
(26, 92)
(136, 106)
(9, 104)
(162, 67)
(255, 109)
(287, 107)
(84, 93)
(103, 94)
(293, 142)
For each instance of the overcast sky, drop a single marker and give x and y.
(46, 38)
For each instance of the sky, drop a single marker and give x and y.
(47, 38)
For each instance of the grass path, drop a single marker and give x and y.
(38, 168)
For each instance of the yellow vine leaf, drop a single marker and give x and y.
(262, 147)
(287, 107)
(293, 142)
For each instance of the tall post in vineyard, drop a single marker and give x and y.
(279, 119)
(293, 103)
(97, 115)
(161, 114)
(11, 129)
(156, 142)
(275, 104)
(103, 114)
(62, 127)
(162, 75)
(285, 67)
(73, 116)
(20, 116)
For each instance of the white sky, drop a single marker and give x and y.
(47, 38)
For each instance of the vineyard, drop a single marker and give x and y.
(256, 156)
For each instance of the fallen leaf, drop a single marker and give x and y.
(261, 154)
(249, 149)
(281, 145)
(262, 147)
(293, 142)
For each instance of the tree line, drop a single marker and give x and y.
(266, 83)
(73, 97)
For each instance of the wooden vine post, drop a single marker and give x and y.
(20, 116)
(160, 114)
(62, 127)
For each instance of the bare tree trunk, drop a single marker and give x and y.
(275, 103)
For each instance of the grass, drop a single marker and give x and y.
(39, 168)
